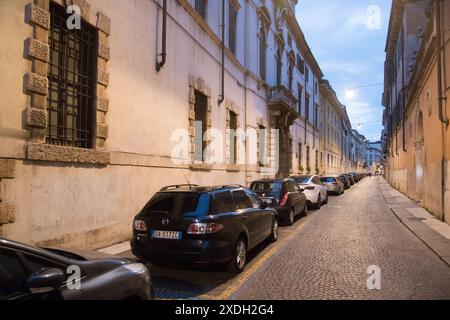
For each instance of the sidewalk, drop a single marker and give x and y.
(434, 233)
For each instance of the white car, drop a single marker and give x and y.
(316, 193)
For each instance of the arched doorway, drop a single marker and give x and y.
(419, 156)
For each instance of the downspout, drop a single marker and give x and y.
(403, 95)
(442, 117)
(222, 71)
(245, 81)
(163, 53)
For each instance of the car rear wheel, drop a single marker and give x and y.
(274, 236)
(237, 264)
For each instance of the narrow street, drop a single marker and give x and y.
(326, 256)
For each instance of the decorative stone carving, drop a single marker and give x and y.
(102, 104)
(36, 118)
(47, 152)
(104, 51)
(7, 169)
(7, 212)
(38, 49)
(103, 77)
(37, 83)
(102, 131)
(40, 16)
(103, 23)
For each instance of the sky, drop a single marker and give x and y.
(348, 39)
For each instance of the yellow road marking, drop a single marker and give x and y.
(243, 277)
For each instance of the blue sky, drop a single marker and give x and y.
(348, 43)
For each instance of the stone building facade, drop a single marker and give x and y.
(96, 119)
(416, 136)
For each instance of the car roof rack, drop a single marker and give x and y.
(228, 186)
(178, 186)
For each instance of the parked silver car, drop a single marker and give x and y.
(333, 184)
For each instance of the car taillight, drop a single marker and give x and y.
(204, 228)
(140, 225)
(284, 200)
(309, 188)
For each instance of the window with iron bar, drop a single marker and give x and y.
(72, 81)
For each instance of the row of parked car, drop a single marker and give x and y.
(219, 225)
(183, 224)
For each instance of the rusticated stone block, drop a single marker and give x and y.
(7, 169)
(102, 104)
(103, 23)
(37, 83)
(102, 131)
(104, 51)
(103, 77)
(36, 118)
(39, 16)
(7, 212)
(38, 49)
(47, 152)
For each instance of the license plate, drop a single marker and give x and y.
(171, 235)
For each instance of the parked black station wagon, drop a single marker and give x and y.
(285, 196)
(203, 225)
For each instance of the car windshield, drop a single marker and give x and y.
(302, 179)
(178, 204)
(328, 179)
(269, 189)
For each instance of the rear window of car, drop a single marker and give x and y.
(328, 180)
(302, 179)
(269, 189)
(178, 204)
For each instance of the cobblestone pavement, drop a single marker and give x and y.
(329, 257)
(325, 256)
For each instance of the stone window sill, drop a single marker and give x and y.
(54, 153)
(201, 167)
(233, 168)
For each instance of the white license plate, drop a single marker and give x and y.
(172, 235)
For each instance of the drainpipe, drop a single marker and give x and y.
(163, 54)
(403, 95)
(443, 118)
(222, 75)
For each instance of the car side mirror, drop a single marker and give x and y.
(45, 280)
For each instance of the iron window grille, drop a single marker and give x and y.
(233, 138)
(201, 112)
(232, 22)
(72, 81)
(200, 7)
